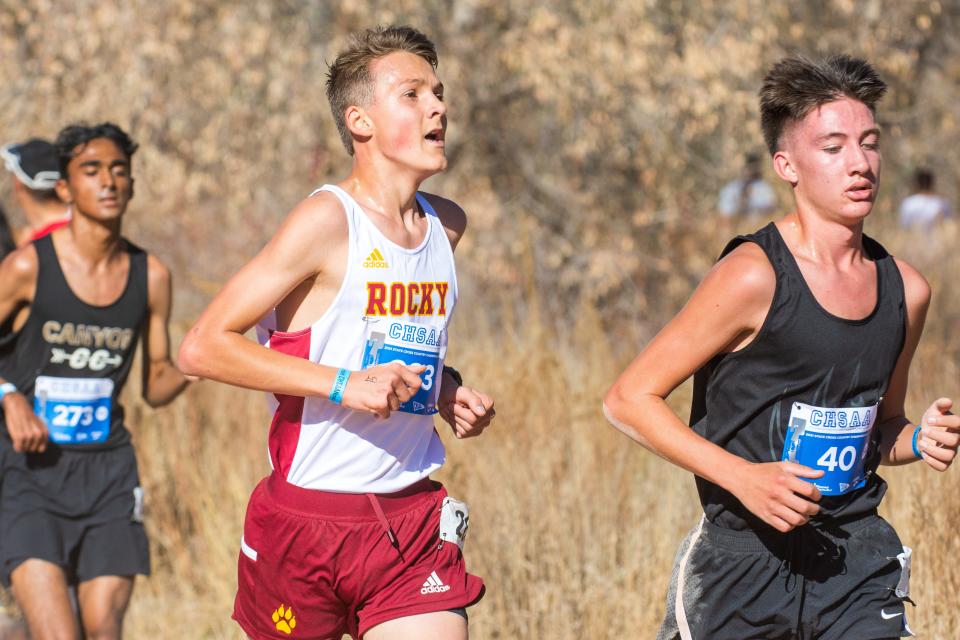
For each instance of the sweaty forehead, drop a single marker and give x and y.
(845, 115)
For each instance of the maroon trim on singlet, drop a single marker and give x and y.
(50, 228)
(287, 420)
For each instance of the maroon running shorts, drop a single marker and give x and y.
(316, 565)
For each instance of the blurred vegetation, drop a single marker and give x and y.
(588, 141)
(594, 133)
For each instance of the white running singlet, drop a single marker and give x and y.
(393, 305)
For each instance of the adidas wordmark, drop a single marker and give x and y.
(434, 585)
(375, 261)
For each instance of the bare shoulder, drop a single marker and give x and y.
(452, 216)
(21, 266)
(916, 289)
(745, 274)
(158, 275)
(318, 221)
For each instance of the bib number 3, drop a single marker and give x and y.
(454, 521)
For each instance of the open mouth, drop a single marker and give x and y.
(861, 192)
(436, 136)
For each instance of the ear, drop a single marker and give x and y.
(63, 191)
(783, 165)
(358, 122)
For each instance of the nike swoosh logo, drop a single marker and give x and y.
(887, 616)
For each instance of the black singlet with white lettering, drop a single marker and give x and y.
(69, 354)
(802, 354)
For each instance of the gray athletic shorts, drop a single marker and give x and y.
(842, 582)
(77, 509)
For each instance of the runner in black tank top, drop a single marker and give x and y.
(79, 301)
(800, 341)
(743, 400)
(80, 353)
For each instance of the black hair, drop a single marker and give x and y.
(923, 180)
(78, 135)
(795, 85)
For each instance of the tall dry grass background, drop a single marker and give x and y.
(588, 141)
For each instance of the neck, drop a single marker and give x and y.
(379, 186)
(94, 240)
(40, 214)
(822, 240)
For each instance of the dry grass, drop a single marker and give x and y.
(574, 527)
(588, 141)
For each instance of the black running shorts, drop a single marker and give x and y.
(78, 509)
(837, 582)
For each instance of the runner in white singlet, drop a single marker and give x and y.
(352, 298)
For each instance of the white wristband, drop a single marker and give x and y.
(7, 387)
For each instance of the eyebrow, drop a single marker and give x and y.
(839, 134)
(418, 82)
(97, 163)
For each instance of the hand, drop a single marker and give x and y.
(28, 432)
(775, 493)
(939, 435)
(383, 388)
(465, 409)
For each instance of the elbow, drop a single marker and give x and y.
(612, 403)
(152, 402)
(190, 356)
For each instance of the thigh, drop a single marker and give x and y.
(42, 593)
(439, 625)
(103, 602)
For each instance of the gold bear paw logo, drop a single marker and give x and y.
(285, 620)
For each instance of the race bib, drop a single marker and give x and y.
(454, 521)
(76, 410)
(833, 440)
(410, 344)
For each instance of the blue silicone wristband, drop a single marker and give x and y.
(339, 384)
(916, 436)
(7, 387)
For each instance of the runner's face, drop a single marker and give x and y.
(98, 181)
(835, 152)
(408, 112)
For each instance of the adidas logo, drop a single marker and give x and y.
(375, 261)
(434, 585)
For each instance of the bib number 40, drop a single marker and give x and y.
(845, 459)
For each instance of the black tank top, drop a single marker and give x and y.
(805, 367)
(71, 359)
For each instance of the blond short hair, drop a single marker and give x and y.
(348, 79)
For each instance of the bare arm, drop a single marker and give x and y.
(467, 410)
(18, 281)
(724, 313)
(162, 381)
(940, 426)
(215, 347)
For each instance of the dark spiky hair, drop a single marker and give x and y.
(78, 135)
(796, 85)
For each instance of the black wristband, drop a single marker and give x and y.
(453, 374)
